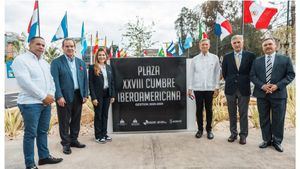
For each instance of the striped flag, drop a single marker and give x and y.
(171, 50)
(34, 24)
(83, 41)
(96, 46)
(62, 30)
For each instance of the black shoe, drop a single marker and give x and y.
(210, 135)
(50, 160)
(265, 144)
(77, 144)
(199, 134)
(231, 138)
(107, 138)
(32, 167)
(278, 147)
(242, 140)
(67, 150)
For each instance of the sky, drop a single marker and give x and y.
(109, 17)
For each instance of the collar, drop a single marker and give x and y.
(272, 55)
(34, 56)
(70, 59)
(203, 54)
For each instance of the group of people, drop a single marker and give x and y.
(270, 74)
(66, 83)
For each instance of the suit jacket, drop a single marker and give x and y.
(282, 74)
(96, 83)
(63, 79)
(237, 78)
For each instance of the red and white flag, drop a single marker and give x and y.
(257, 14)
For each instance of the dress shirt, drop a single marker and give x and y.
(205, 72)
(104, 73)
(34, 77)
(240, 54)
(72, 66)
(272, 58)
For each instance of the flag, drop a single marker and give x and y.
(62, 30)
(34, 22)
(96, 47)
(261, 16)
(111, 52)
(145, 52)
(247, 14)
(180, 48)
(222, 27)
(171, 49)
(104, 44)
(161, 52)
(202, 33)
(119, 53)
(188, 41)
(83, 40)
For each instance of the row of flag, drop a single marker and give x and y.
(62, 32)
(254, 12)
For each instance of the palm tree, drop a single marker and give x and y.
(51, 53)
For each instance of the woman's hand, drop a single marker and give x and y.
(95, 102)
(112, 100)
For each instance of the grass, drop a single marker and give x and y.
(219, 110)
(13, 122)
(291, 105)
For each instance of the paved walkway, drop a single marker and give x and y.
(175, 150)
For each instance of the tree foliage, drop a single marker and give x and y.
(51, 53)
(138, 36)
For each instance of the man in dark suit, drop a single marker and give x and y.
(70, 77)
(236, 68)
(271, 74)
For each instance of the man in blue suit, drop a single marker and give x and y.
(70, 77)
(236, 68)
(271, 74)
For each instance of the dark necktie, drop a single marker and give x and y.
(268, 69)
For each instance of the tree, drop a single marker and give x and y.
(51, 53)
(139, 36)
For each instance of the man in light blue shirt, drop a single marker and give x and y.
(33, 75)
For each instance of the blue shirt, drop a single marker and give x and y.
(72, 66)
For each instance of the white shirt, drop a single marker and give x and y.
(34, 77)
(205, 72)
(272, 58)
(104, 73)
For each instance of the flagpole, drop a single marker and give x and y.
(38, 13)
(217, 50)
(91, 52)
(188, 56)
(243, 24)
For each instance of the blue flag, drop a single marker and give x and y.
(188, 42)
(62, 30)
(83, 41)
(180, 48)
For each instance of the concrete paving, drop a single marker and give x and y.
(174, 150)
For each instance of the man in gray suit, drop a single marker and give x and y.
(236, 68)
(70, 77)
(271, 74)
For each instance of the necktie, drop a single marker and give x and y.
(237, 60)
(268, 69)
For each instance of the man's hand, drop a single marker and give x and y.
(61, 102)
(216, 93)
(190, 92)
(267, 88)
(84, 100)
(274, 87)
(95, 102)
(48, 100)
(112, 100)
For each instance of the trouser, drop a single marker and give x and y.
(69, 119)
(271, 118)
(36, 125)
(206, 98)
(101, 116)
(242, 102)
